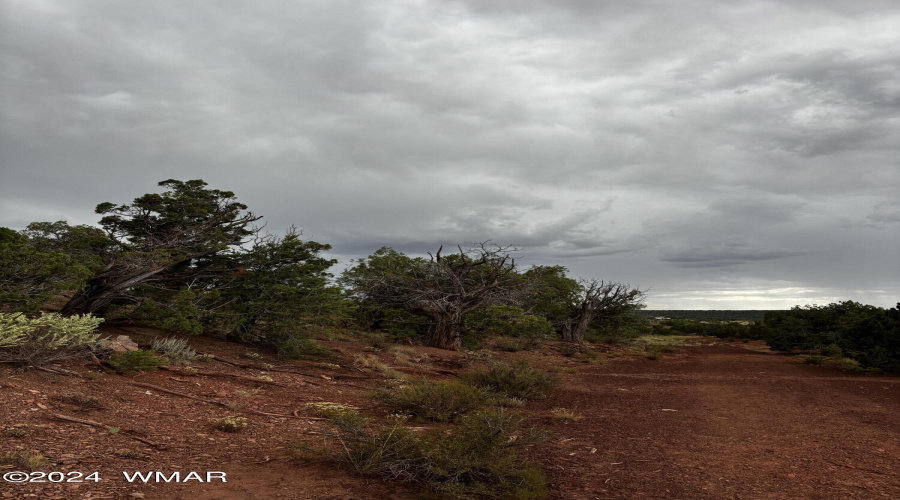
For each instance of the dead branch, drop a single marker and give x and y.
(219, 403)
(59, 371)
(98, 425)
(219, 374)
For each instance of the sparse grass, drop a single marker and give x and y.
(565, 414)
(229, 424)
(128, 454)
(669, 340)
(440, 400)
(478, 459)
(513, 344)
(562, 369)
(518, 380)
(570, 349)
(405, 356)
(24, 460)
(18, 432)
(656, 351)
(374, 363)
(81, 401)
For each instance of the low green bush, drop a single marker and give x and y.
(517, 380)
(131, 362)
(441, 400)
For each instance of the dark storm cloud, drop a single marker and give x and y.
(738, 153)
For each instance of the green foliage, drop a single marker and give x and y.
(88, 246)
(29, 277)
(441, 400)
(722, 330)
(177, 350)
(45, 339)
(832, 351)
(509, 321)
(868, 334)
(477, 460)
(169, 237)
(445, 289)
(180, 312)
(131, 362)
(517, 380)
(551, 294)
(281, 288)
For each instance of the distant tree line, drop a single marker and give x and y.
(706, 315)
(191, 259)
(867, 334)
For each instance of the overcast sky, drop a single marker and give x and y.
(723, 154)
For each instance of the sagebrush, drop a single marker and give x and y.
(46, 338)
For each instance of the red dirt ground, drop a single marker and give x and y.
(721, 421)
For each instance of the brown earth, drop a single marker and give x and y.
(717, 421)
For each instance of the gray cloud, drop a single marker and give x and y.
(675, 145)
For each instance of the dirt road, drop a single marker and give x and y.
(724, 422)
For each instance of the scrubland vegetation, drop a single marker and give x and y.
(191, 262)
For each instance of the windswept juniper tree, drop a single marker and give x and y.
(443, 287)
(159, 232)
(599, 299)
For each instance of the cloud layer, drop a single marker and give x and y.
(722, 154)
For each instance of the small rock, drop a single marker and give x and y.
(120, 344)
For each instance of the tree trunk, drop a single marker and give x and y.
(575, 330)
(446, 332)
(102, 290)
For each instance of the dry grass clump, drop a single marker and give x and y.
(565, 414)
(80, 401)
(229, 424)
(24, 460)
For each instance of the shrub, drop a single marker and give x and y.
(177, 350)
(840, 363)
(518, 380)
(291, 345)
(441, 400)
(479, 459)
(131, 362)
(229, 424)
(45, 339)
(832, 351)
(516, 345)
(342, 416)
